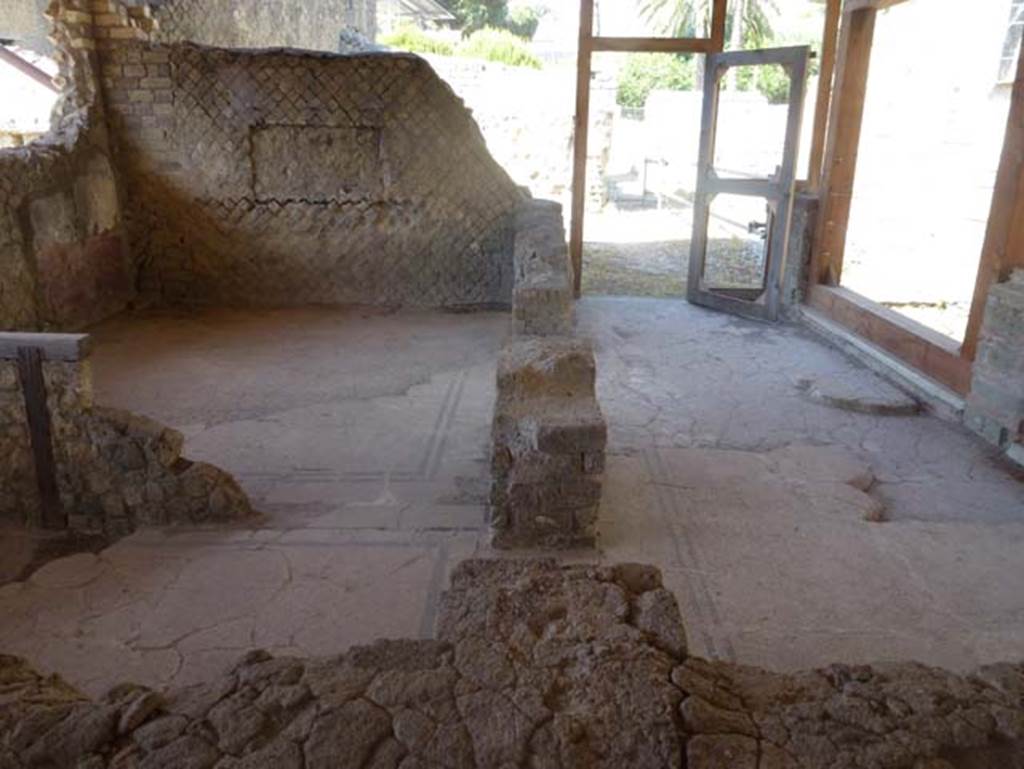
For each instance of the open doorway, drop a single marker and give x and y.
(633, 217)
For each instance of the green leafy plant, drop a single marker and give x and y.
(523, 21)
(473, 15)
(773, 83)
(415, 40)
(498, 45)
(646, 72)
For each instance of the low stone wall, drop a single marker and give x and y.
(542, 300)
(535, 665)
(549, 435)
(995, 406)
(114, 470)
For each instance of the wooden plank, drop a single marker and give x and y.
(69, 347)
(654, 44)
(1003, 247)
(718, 12)
(33, 388)
(874, 5)
(829, 36)
(844, 125)
(926, 350)
(579, 164)
(28, 69)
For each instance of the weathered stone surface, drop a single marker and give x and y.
(995, 406)
(285, 177)
(542, 301)
(536, 665)
(115, 470)
(61, 233)
(865, 393)
(549, 442)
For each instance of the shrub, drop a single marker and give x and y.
(415, 40)
(498, 45)
(646, 72)
(477, 14)
(523, 20)
(773, 83)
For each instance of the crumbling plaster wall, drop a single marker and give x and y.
(24, 21)
(310, 24)
(283, 177)
(62, 249)
(995, 406)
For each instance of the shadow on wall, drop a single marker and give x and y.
(284, 178)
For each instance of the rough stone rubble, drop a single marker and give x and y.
(115, 470)
(535, 665)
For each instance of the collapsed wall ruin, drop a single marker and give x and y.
(112, 470)
(535, 665)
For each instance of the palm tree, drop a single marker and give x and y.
(748, 21)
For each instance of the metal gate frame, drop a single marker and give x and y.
(777, 190)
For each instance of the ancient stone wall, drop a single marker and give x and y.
(63, 262)
(311, 24)
(115, 470)
(283, 178)
(536, 665)
(549, 435)
(995, 406)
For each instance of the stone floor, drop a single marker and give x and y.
(362, 437)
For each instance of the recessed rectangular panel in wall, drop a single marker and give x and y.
(314, 164)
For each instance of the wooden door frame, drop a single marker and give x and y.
(935, 355)
(588, 45)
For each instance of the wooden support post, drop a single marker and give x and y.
(844, 124)
(829, 36)
(33, 387)
(579, 147)
(1003, 249)
(718, 26)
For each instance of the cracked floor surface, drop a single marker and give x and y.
(362, 436)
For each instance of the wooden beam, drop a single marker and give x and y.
(926, 350)
(1003, 247)
(654, 44)
(37, 413)
(875, 5)
(579, 148)
(829, 36)
(27, 68)
(718, 26)
(844, 125)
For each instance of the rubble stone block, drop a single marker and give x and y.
(995, 405)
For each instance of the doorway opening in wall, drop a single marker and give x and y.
(27, 94)
(642, 147)
(934, 119)
(644, 134)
